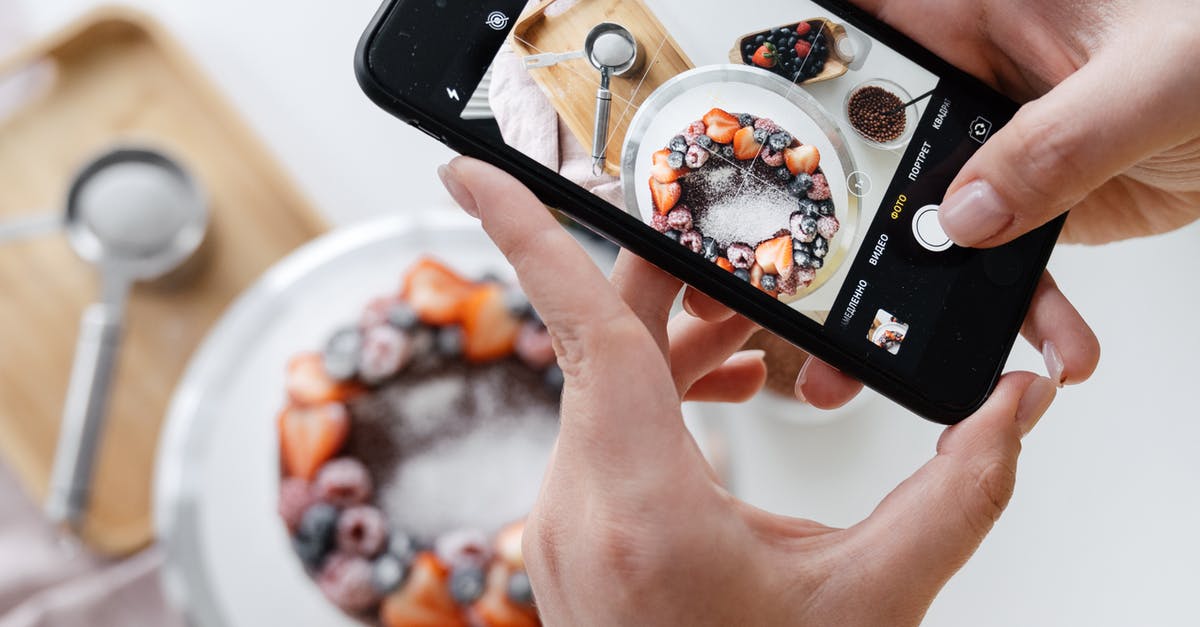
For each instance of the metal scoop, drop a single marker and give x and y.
(135, 215)
(612, 49)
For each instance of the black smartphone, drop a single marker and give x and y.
(786, 157)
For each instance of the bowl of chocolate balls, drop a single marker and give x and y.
(876, 111)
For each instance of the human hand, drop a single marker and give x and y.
(632, 527)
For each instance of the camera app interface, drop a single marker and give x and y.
(773, 140)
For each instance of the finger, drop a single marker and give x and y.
(824, 386)
(736, 381)
(702, 306)
(932, 523)
(1060, 147)
(1067, 343)
(648, 291)
(699, 347)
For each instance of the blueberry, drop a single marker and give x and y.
(450, 341)
(785, 31)
(770, 282)
(825, 207)
(761, 136)
(745, 119)
(783, 174)
(466, 584)
(710, 249)
(800, 186)
(803, 258)
(519, 589)
(314, 535)
(403, 317)
(676, 159)
(749, 48)
(817, 263)
(809, 207)
(388, 574)
(553, 379)
(402, 546)
(742, 274)
(342, 353)
(760, 40)
(704, 141)
(678, 144)
(517, 303)
(820, 247)
(818, 66)
(807, 228)
(673, 234)
(727, 151)
(791, 44)
(779, 141)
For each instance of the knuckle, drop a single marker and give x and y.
(579, 339)
(991, 491)
(1049, 149)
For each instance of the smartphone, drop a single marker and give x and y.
(786, 157)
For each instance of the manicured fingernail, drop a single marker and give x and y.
(974, 214)
(1054, 363)
(1037, 399)
(687, 305)
(458, 191)
(801, 379)
(747, 356)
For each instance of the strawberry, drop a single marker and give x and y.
(803, 28)
(508, 545)
(804, 159)
(435, 292)
(311, 436)
(665, 195)
(724, 264)
(425, 599)
(803, 48)
(766, 56)
(662, 171)
(756, 275)
(491, 331)
(721, 125)
(744, 146)
(307, 383)
(495, 609)
(775, 256)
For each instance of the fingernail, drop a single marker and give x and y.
(974, 214)
(800, 379)
(687, 305)
(1037, 399)
(747, 356)
(458, 191)
(1054, 363)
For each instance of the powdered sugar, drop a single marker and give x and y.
(429, 406)
(740, 207)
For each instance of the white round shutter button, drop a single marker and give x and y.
(928, 230)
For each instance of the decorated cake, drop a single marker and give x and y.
(748, 196)
(411, 447)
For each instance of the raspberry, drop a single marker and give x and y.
(659, 222)
(692, 240)
(696, 157)
(680, 219)
(820, 188)
(464, 548)
(772, 158)
(696, 128)
(535, 347)
(376, 312)
(385, 350)
(343, 482)
(362, 531)
(741, 256)
(295, 496)
(768, 125)
(806, 276)
(828, 227)
(346, 581)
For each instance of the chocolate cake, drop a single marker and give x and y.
(410, 448)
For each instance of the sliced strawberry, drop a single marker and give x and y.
(744, 146)
(665, 195)
(662, 171)
(724, 264)
(424, 600)
(756, 275)
(435, 292)
(495, 609)
(311, 436)
(307, 383)
(766, 56)
(803, 48)
(775, 256)
(491, 330)
(721, 125)
(804, 159)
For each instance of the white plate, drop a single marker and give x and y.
(228, 558)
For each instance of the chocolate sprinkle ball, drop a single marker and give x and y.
(877, 113)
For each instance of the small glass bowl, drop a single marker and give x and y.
(910, 114)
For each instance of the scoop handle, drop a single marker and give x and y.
(600, 135)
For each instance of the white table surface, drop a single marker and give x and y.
(1103, 528)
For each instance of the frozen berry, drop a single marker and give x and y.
(761, 136)
(745, 119)
(769, 282)
(741, 255)
(704, 141)
(803, 227)
(534, 346)
(466, 547)
(678, 144)
(385, 351)
(402, 546)
(659, 223)
(803, 258)
(809, 208)
(710, 249)
(828, 226)
(820, 188)
(680, 219)
(295, 497)
(820, 247)
(693, 241)
(696, 157)
(800, 185)
(343, 482)
(817, 263)
(346, 581)
(342, 353)
(767, 124)
(388, 573)
(467, 584)
(553, 379)
(776, 160)
(376, 312)
(676, 159)
(783, 174)
(696, 128)
(315, 534)
(673, 234)
(726, 151)
(742, 274)
(825, 207)
(805, 276)
(362, 530)
(780, 141)
(403, 317)
(449, 340)
(519, 590)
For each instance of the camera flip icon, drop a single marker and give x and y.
(981, 129)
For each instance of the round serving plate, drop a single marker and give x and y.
(228, 557)
(739, 89)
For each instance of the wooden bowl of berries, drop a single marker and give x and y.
(805, 52)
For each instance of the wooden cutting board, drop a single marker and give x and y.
(118, 77)
(562, 26)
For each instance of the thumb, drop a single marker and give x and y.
(1056, 151)
(932, 523)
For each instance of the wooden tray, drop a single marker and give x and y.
(835, 66)
(117, 76)
(571, 85)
